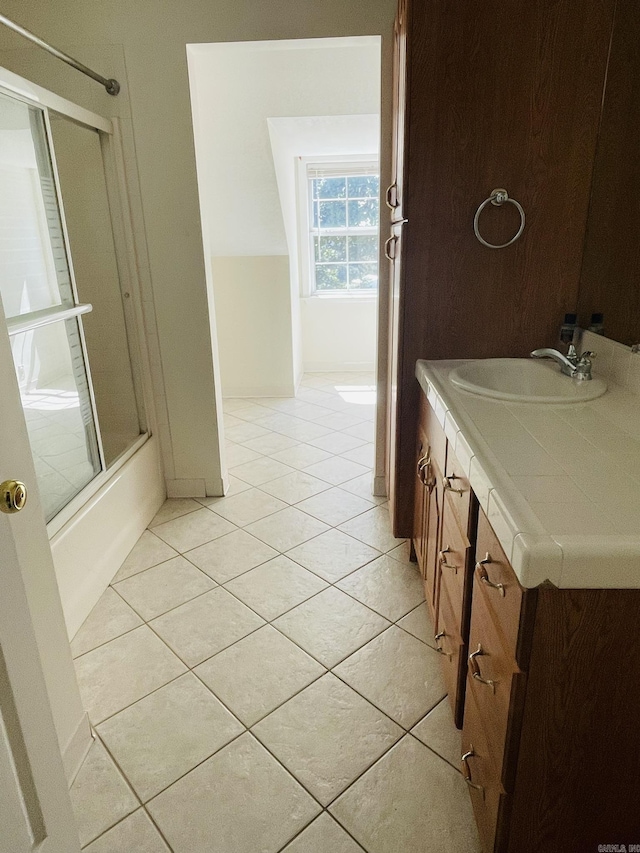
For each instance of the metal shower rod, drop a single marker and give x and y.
(112, 86)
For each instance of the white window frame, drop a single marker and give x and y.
(305, 234)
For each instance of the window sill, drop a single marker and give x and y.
(341, 297)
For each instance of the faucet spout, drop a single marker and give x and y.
(567, 366)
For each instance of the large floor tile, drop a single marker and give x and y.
(238, 454)
(338, 420)
(387, 586)
(301, 456)
(99, 795)
(411, 800)
(168, 733)
(124, 670)
(363, 455)
(364, 431)
(295, 487)
(261, 470)
(134, 834)
(245, 432)
(200, 628)
(271, 443)
(230, 555)
(418, 622)
(362, 486)
(257, 674)
(174, 508)
(163, 587)
(331, 626)
(439, 733)
(251, 412)
(402, 553)
(304, 431)
(336, 470)
(324, 835)
(286, 529)
(148, 551)
(239, 801)
(333, 554)
(275, 587)
(193, 529)
(335, 506)
(110, 618)
(326, 736)
(374, 528)
(336, 442)
(248, 506)
(236, 486)
(398, 674)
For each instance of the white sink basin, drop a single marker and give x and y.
(524, 380)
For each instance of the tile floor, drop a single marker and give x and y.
(261, 675)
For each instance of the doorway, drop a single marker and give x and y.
(287, 137)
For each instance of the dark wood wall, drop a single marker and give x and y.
(499, 94)
(610, 280)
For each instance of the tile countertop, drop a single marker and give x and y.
(559, 484)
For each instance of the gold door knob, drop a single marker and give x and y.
(13, 496)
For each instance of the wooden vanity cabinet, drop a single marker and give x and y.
(544, 682)
(445, 517)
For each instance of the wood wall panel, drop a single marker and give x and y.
(610, 281)
(499, 95)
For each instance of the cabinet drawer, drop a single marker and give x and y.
(493, 678)
(432, 431)
(452, 561)
(457, 488)
(496, 579)
(451, 650)
(487, 794)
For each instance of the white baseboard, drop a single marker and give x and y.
(380, 487)
(77, 748)
(339, 367)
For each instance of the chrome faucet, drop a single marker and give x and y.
(571, 364)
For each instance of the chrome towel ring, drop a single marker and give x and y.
(498, 197)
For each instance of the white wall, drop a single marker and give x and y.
(339, 334)
(143, 44)
(257, 107)
(253, 306)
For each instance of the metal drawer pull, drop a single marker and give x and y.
(475, 669)
(422, 463)
(443, 559)
(395, 203)
(446, 482)
(425, 474)
(437, 638)
(466, 772)
(484, 577)
(387, 246)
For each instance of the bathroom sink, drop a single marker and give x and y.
(524, 380)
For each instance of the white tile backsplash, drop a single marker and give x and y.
(615, 362)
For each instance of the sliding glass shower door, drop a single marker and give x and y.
(79, 424)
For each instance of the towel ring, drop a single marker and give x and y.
(498, 197)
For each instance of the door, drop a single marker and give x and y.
(34, 802)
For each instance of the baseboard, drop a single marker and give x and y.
(288, 390)
(77, 748)
(380, 487)
(339, 367)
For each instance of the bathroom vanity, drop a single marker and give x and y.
(527, 535)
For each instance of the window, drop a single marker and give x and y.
(343, 213)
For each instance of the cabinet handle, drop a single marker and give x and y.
(484, 577)
(446, 482)
(387, 245)
(443, 559)
(425, 474)
(466, 772)
(437, 638)
(475, 669)
(395, 203)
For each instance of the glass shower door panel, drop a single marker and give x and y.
(55, 396)
(43, 319)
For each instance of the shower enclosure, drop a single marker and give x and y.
(65, 298)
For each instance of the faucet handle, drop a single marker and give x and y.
(588, 354)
